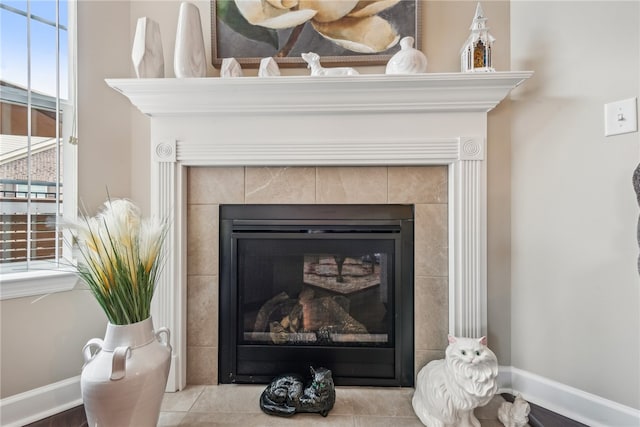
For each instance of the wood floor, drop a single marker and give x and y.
(539, 417)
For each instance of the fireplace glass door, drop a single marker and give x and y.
(315, 290)
(299, 291)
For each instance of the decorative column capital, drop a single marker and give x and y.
(471, 148)
(164, 151)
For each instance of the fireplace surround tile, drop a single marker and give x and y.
(202, 365)
(431, 247)
(202, 250)
(309, 185)
(216, 185)
(202, 311)
(414, 184)
(431, 302)
(352, 185)
(280, 185)
(422, 357)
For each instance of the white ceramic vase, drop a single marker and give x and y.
(408, 60)
(146, 54)
(189, 58)
(125, 375)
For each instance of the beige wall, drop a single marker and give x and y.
(575, 301)
(42, 338)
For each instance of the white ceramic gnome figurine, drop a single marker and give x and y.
(449, 389)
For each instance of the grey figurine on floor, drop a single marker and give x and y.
(285, 395)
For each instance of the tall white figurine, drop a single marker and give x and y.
(146, 53)
(189, 57)
(313, 62)
(449, 389)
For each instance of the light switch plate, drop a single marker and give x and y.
(621, 117)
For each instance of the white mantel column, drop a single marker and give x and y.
(468, 237)
(169, 303)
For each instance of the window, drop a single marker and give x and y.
(37, 151)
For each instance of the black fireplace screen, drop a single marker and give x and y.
(328, 285)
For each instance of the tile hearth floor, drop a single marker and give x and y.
(237, 405)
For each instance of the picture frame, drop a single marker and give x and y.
(232, 36)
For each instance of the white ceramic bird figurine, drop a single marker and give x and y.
(514, 414)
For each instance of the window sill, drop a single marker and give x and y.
(39, 282)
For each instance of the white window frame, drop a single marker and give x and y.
(44, 278)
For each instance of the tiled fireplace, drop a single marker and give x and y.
(415, 139)
(424, 187)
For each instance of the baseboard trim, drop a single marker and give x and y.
(39, 403)
(587, 408)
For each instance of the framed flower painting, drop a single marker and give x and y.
(342, 32)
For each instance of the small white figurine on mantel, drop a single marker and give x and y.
(514, 414)
(313, 61)
(475, 55)
(449, 389)
(268, 68)
(408, 60)
(230, 68)
(146, 54)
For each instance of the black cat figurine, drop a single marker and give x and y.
(285, 395)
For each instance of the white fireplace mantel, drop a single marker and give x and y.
(423, 119)
(417, 92)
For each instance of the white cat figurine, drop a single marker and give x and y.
(449, 389)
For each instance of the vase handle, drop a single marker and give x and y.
(91, 349)
(118, 363)
(167, 334)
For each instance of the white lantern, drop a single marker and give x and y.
(475, 55)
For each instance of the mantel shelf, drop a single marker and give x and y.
(430, 92)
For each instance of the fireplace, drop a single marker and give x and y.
(320, 285)
(308, 122)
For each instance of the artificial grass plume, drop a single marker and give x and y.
(121, 258)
